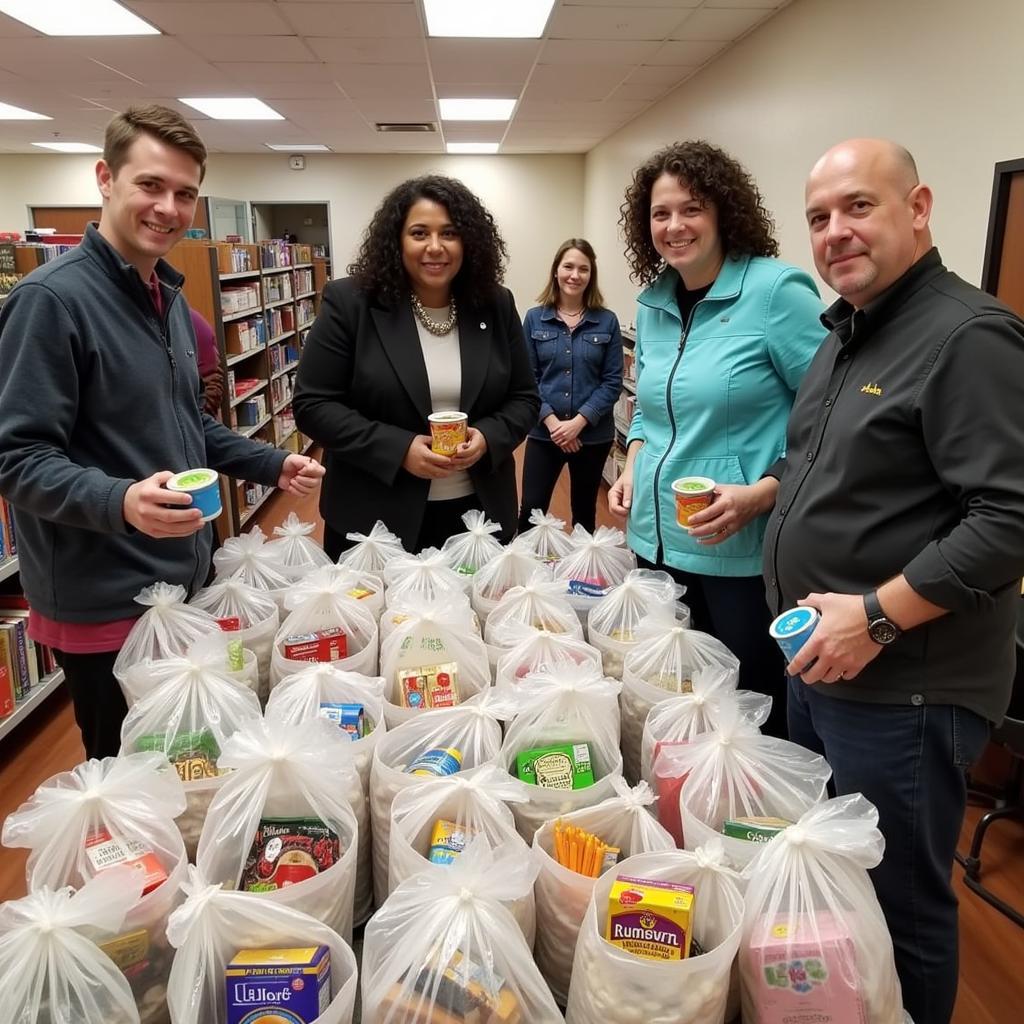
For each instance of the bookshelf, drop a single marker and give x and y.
(261, 299)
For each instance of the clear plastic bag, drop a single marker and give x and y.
(51, 957)
(615, 620)
(213, 924)
(540, 603)
(470, 551)
(421, 651)
(294, 543)
(676, 721)
(252, 560)
(814, 937)
(662, 664)
(322, 602)
(246, 614)
(623, 821)
(297, 698)
(73, 818)
(441, 938)
(736, 772)
(515, 566)
(365, 587)
(472, 729)
(214, 647)
(537, 650)
(372, 552)
(476, 803)
(288, 771)
(186, 710)
(571, 705)
(415, 581)
(167, 629)
(612, 986)
(597, 562)
(546, 537)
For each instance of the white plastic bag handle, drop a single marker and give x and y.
(293, 526)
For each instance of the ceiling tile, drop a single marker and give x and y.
(336, 50)
(249, 48)
(494, 60)
(719, 24)
(592, 51)
(472, 131)
(372, 20)
(764, 5)
(213, 18)
(666, 75)
(652, 23)
(680, 5)
(283, 72)
(368, 81)
(376, 109)
(576, 83)
(686, 54)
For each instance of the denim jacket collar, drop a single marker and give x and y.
(662, 293)
(549, 314)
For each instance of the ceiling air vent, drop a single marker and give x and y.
(406, 126)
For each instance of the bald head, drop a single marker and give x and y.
(868, 216)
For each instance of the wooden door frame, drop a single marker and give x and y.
(1004, 171)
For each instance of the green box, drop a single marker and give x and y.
(558, 766)
(754, 830)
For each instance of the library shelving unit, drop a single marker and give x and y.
(261, 300)
(623, 410)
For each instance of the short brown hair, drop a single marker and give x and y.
(162, 123)
(592, 297)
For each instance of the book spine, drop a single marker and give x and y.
(7, 693)
(21, 638)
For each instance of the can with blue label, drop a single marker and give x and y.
(204, 486)
(791, 629)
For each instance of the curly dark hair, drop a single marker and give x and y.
(378, 267)
(745, 227)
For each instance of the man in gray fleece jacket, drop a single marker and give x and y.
(101, 404)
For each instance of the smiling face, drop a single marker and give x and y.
(684, 231)
(148, 205)
(572, 276)
(431, 252)
(867, 216)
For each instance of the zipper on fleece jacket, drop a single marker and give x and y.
(672, 419)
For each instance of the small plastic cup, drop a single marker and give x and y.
(204, 486)
(693, 494)
(447, 431)
(792, 628)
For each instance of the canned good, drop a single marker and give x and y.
(792, 628)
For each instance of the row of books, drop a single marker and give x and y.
(8, 539)
(23, 662)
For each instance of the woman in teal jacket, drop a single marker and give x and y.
(724, 334)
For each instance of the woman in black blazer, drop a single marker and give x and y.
(422, 325)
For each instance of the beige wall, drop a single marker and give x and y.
(536, 200)
(944, 77)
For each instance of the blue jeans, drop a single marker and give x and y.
(909, 761)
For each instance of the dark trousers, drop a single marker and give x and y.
(543, 465)
(99, 704)
(909, 761)
(441, 520)
(734, 610)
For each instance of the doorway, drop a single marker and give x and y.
(308, 223)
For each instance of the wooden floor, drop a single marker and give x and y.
(991, 947)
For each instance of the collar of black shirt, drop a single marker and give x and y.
(846, 322)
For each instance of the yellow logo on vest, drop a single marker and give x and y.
(871, 389)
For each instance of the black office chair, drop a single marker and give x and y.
(1009, 802)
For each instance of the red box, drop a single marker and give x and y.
(328, 644)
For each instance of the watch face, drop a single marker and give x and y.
(882, 631)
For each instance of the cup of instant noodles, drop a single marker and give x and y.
(204, 486)
(447, 431)
(693, 494)
(792, 629)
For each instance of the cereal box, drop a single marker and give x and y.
(559, 766)
(804, 971)
(650, 919)
(278, 986)
(429, 686)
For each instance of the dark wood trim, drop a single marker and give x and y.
(1004, 171)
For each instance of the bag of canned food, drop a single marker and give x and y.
(514, 566)
(293, 541)
(251, 559)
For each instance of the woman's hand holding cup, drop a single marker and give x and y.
(421, 461)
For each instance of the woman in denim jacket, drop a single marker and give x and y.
(725, 333)
(575, 348)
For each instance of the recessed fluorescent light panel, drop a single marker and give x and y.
(476, 110)
(9, 113)
(521, 19)
(473, 147)
(69, 147)
(302, 147)
(238, 108)
(78, 17)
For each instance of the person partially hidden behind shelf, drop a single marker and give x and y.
(101, 403)
(900, 517)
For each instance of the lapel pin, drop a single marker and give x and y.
(483, 326)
